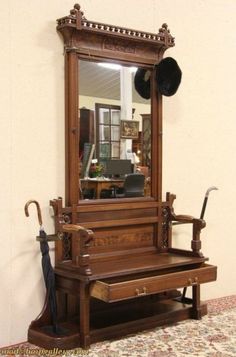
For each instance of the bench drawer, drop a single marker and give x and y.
(111, 291)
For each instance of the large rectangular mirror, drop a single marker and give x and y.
(88, 43)
(114, 133)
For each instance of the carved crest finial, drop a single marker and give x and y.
(77, 8)
(165, 32)
(164, 28)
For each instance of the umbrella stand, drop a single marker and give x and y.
(48, 271)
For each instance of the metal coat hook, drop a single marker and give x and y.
(38, 210)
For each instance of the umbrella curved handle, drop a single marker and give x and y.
(38, 210)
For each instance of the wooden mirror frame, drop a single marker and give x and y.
(84, 39)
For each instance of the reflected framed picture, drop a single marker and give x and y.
(129, 129)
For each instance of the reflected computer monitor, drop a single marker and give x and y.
(117, 168)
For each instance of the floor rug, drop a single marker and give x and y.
(212, 336)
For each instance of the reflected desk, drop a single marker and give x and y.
(98, 184)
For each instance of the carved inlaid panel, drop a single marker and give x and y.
(122, 239)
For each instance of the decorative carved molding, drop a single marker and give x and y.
(122, 239)
(164, 34)
(65, 218)
(116, 45)
(76, 19)
(66, 247)
(165, 227)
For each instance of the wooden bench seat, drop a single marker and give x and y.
(134, 265)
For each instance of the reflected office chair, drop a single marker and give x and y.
(133, 186)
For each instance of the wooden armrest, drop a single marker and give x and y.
(73, 228)
(183, 218)
(82, 239)
(180, 218)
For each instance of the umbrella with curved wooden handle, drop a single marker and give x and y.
(48, 271)
(38, 210)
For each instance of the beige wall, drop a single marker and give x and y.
(199, 132)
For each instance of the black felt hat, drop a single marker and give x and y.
(142, 83)
(168, 76)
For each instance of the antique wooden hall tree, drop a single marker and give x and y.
(116, 270)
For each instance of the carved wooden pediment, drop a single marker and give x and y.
(88, 37)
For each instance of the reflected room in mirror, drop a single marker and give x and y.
(107, 99)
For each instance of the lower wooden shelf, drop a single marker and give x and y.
(131, 316)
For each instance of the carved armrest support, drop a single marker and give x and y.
(196, 243)
(83, 237)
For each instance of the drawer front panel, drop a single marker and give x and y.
(110, 292)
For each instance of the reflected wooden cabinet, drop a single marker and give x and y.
(142, 146)
(87, 128)
(146, 140)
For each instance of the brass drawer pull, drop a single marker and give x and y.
(141, 293)
(193, 282)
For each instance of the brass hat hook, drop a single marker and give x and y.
(38, 210)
